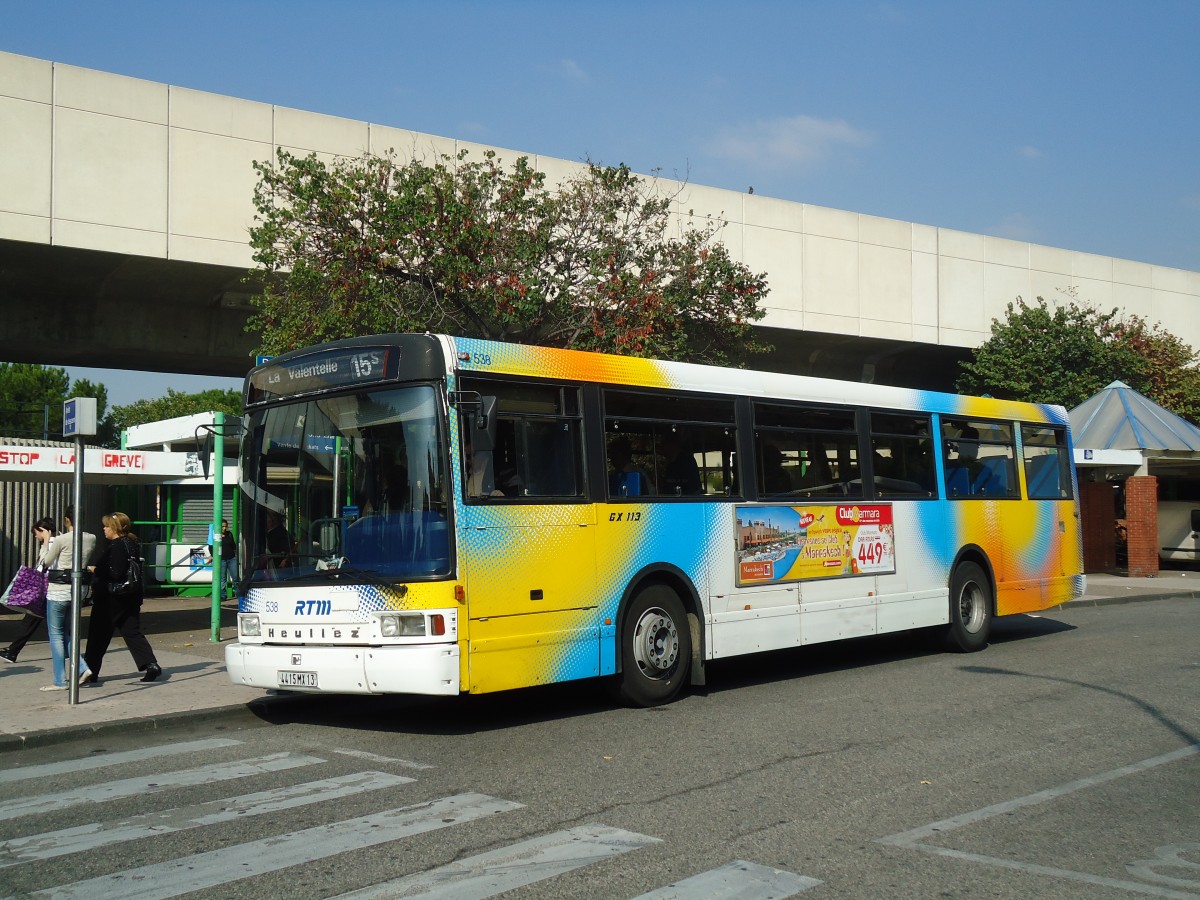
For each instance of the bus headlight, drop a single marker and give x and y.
(402, 625)
(249, 625)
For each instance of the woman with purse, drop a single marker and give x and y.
(117, 602)
(30, 622)
(58, 558)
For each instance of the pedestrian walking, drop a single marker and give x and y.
(114, 609)
(59, 559)
(29, 626)
(29, 623)
(229, 567)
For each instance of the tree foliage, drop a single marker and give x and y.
(178, 403)
(32, 397)
(482, 250)
(32, 394)
(1067, 353)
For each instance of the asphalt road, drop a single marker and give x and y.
(1061, 762)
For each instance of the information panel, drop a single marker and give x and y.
(324, 371)
(795, 543)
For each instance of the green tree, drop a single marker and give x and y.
(1065, 354)
(177, 403)
(32, 397)
(483, 250)
(1166, 367)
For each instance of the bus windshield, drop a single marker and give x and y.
(347, 483)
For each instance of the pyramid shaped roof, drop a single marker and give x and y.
(1119, 418)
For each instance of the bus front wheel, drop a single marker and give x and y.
(656, 648)
(970, 609)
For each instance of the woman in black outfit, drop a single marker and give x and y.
(117, 612)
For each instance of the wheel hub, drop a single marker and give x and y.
(971, 608)
(655, 643)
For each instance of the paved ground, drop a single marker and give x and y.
(194, 683)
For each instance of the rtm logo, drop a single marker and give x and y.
(314, 607)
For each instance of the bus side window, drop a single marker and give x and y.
(900, 455)
(1047, 472)
(538, 450)
(664, 445)
(819, 449)
(979, 458)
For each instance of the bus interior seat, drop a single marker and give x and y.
(958, 481)
(992, 478)
(1042, 476)
(625, 484)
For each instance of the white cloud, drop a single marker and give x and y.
(475, 130)
(573, 72)
(785, 142)
(1029, 152)
(1015, 226)
(888, 13)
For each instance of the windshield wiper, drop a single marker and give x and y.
(338, 574)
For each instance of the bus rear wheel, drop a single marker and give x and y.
(970, 609)
(656, 648)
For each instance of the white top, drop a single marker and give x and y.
(60, 554)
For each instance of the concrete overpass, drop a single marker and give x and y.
(125, 205)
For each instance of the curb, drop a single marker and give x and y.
(1133, 598)
(236, 715)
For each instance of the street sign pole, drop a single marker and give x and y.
(218, 469)
(79, 421)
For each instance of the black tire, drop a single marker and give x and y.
(656, 648)
(970, 609)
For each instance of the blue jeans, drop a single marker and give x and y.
(228, 574)
(58, 623)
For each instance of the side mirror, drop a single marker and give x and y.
(206, 450)
(483, 425)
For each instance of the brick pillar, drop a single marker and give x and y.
(1141, 517)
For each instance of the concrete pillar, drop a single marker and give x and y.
(1141, 518)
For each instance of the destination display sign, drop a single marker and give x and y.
(324, 371)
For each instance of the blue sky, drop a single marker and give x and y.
(1071, 124)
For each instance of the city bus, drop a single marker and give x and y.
(425, 514)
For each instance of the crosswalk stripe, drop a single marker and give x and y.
(205, 870)
(738, 880)
(94, 835)
(89, 763)
(376, 758)
(150, 784)
(492, 873)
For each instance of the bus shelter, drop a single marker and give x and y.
(156, 478)
(1139, 474)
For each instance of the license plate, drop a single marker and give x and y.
(297, 679)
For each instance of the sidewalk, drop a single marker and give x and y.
(194, 685)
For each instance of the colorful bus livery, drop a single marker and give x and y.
(432, 515)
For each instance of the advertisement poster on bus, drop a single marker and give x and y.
(795, 543)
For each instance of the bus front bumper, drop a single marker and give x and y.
(405, 669)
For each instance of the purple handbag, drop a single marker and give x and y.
(27, 593)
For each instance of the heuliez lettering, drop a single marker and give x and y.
(323, 634)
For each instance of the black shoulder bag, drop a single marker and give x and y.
(133, 576)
